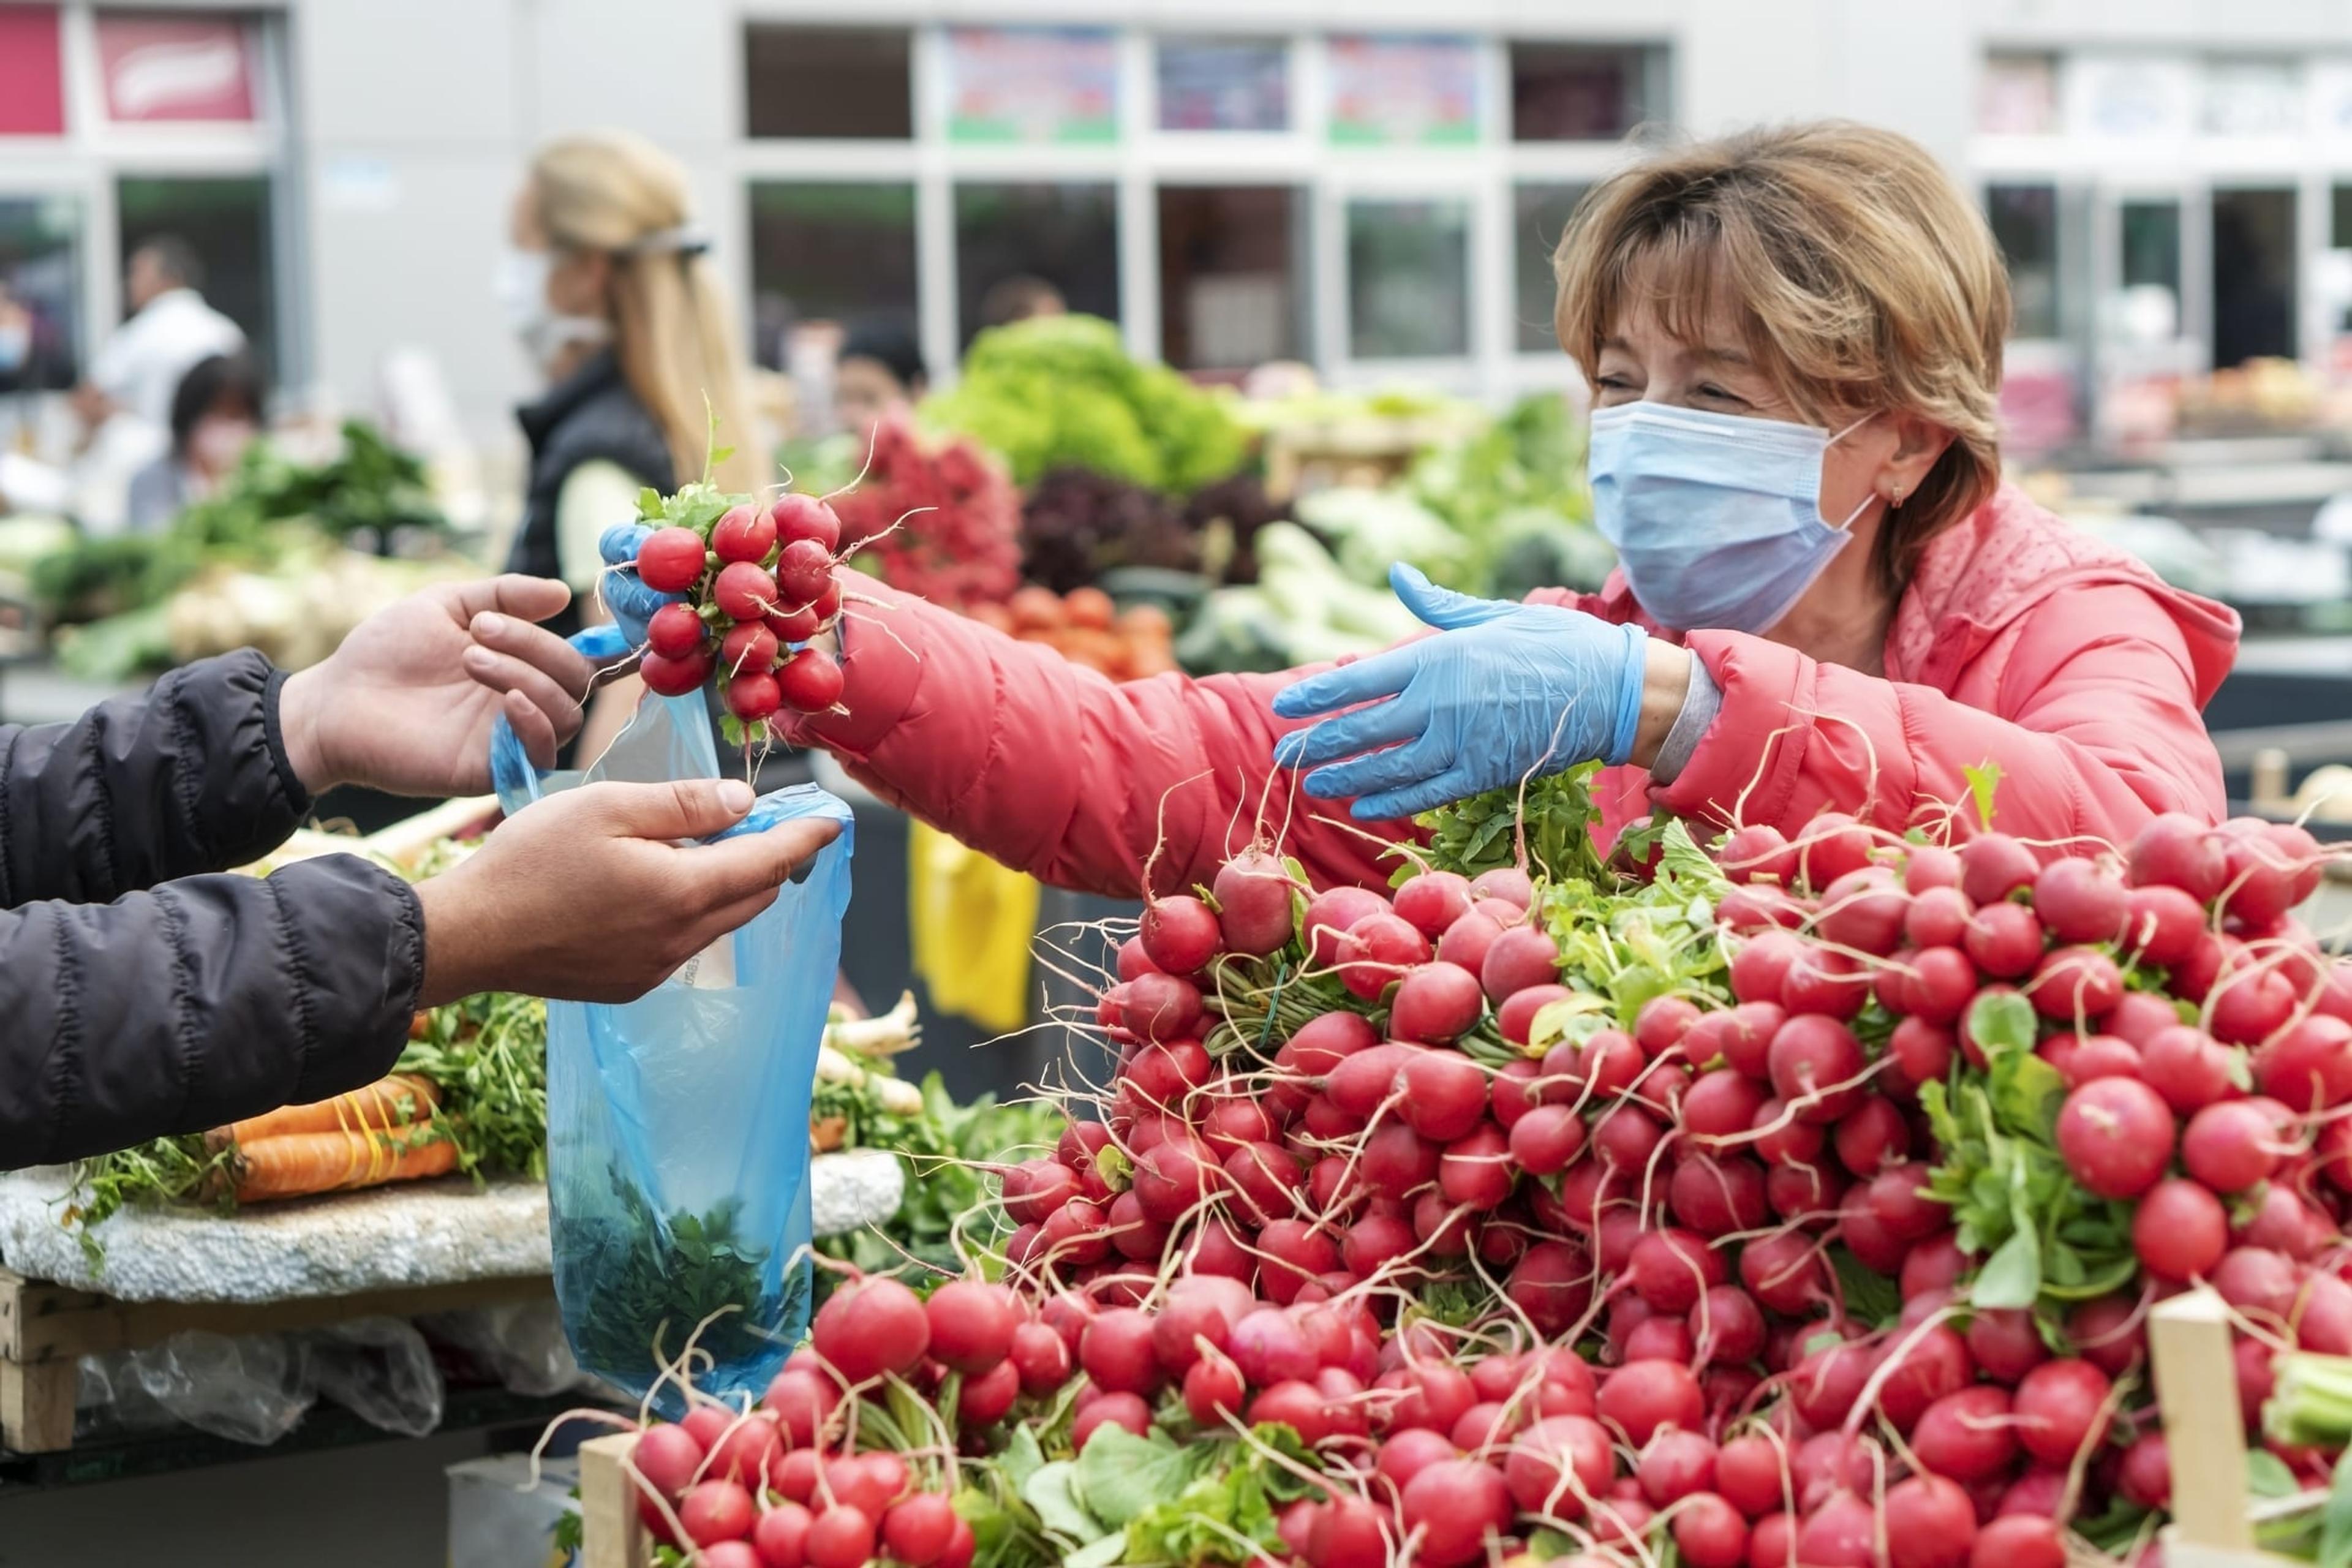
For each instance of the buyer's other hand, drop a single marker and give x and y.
(405, 703)
(589, 896)
(1505, 692)
(623, 593)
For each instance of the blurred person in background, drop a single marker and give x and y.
(606, 285)
(215, 416)
(880, 373)
(1827, 599)
(1020, 299)
(15, 341)
(170, 328)
(125, 401)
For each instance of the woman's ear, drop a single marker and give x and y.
(1918, 443)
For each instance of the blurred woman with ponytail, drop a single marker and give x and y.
(607, 287)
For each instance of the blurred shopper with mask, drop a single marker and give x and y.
(606, 285)
(125, 403)
(880, 373)
(215, 414)
(139, 370)
(15, 341)
(1020, 299)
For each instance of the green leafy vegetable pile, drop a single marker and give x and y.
(369, 494)
(1061, 391)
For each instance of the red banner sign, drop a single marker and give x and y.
(32, 80)
(172, 67)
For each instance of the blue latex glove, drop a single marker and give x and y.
(627, 598)
(1506, 692)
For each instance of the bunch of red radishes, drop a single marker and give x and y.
(783, 1484)
(935, 517)
(2204, 1040)
(1671, 1190)
(759, 585)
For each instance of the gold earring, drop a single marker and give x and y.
(1896, 499)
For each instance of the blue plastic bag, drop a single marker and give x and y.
(677, 1147)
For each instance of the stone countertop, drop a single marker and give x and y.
(401, 1235)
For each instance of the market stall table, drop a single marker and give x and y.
(394, 1251)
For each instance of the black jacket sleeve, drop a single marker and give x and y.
(138, 998)
(192, 776)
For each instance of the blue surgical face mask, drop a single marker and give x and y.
(1716, 519)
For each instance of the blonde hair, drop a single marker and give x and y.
(610, 191)
(1865, 282)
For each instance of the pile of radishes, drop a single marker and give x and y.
(757, 584)
(1525, 1276)
(794, 1482)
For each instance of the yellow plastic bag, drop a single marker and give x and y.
(973, 922)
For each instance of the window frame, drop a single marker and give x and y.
(96, 154)
(1486, 173)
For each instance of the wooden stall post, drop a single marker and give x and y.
(2204, 1433)
(611, 1534)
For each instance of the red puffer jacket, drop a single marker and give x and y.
(2019, 641)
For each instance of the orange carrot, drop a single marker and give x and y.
(301, 1164)
(388, 1102)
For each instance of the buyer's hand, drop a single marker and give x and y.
(1504, 692)
(405, 703)
(588, 896)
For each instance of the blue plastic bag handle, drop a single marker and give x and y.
(512, 773)
(517, 779)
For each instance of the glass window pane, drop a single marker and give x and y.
(1572, 92)
(849, 82)
(1032, 84)
(1010, 237)
(178, 66)
(829, 252)
(2018, 95)
(32, 72)
(2025, 221)
(1225, 84)
(1541, 213)
(1403, 91)
(1232, 276)
(2254, 276)
(1408, 279)
(2151, 244)
(226, 222)
(40, 289)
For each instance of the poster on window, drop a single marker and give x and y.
(1403, 92)
(184, 68)
(32, 80)
(2329, 100)
(2018, 95)
(1031, 84)
(2252, 98)
(1225, 84)
(2124, 98)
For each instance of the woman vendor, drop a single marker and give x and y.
(1827, 599)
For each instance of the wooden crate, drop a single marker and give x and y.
(2205, 1438)
(611, 1534)
(46, 1329)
